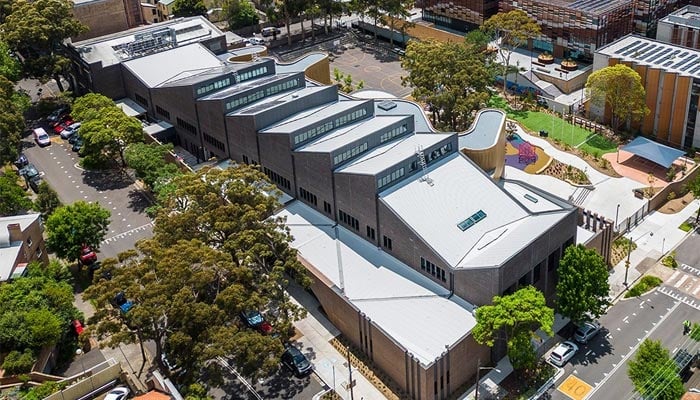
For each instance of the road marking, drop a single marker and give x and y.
(127, 233)
(589, 352)
(628, 355)
(681, 281)
(697, 289)
(625, 319)
(575, 388)
(675, 274)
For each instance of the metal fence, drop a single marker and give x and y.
(633, 220)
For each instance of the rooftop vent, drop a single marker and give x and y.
(387, 105)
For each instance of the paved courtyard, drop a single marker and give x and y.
(378, 67)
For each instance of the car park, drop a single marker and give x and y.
(41, 137)
(254, 319)
(118, 393)
(69, 130)
(77, 145)
(563, 353)
(586, 331)
(29, 172)
(74, 138)
(34, 183)
(296, 361)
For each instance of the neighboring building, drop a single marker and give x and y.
(671, 76)
(460, 15)
(423, 229)
(165, 9)
(103, 17)
(21, 242)
(681, 27)
(149, 12)
(648, 13)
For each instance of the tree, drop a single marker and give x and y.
(654, 374)
(694, 188)
(13, 199)
(109, 134)
(36, 29)
(148, 160)
(11, 121)
(187, 297)
(71, 226)
(240, 13)
(452, 78)
(620, 88)
(583, 289)
(515, 28)
(189, 8)
(46, 200)
(10, 67)
(90, 106)
(516, 316)
(397, 12)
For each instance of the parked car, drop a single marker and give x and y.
(270, 31)
(563, 353)
(74, 138)
(56, 115)
(118, 393)
(69, 130)
(29, 172)
(171, 366)
(21, 161)
(256, 41)
(77, 326)
(34, 183)
(122, 302)
(296, 361)
(41, 137)
(77, 145)
(252, 318)
(586, 331)
(87, 255)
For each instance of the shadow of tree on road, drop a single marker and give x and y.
(106, 180)
(138, 202)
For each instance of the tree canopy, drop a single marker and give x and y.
(36, 29)
(694, 188)
(13, 198)
(71, 226)
(240, 13)
(189, 8)
(583, 289)
(108, 134)
(653, 372)
(90, 106)
(620, 88)
(517, 316)
(148, 160)
(452, 78)
(10, 67)
(514, 28)
(11, 121)
(47, 200)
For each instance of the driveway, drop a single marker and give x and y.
(113, 190)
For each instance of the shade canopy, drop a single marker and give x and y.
(652, 151)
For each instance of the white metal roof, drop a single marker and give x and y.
(458, 191)
(484, 131)
(656, 54)
(408, 306)
(160, 67)
(382, 157)
(8, 256)
(348, 134)
(527, 197)
(312, 117)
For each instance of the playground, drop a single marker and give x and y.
(525, 156)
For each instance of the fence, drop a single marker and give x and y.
(634, 219)
(90, 383)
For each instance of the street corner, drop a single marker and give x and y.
(575, 388)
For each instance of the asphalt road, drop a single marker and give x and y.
(687, 252)
(602, 362)
(112, 190)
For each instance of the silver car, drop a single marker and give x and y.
(586, 331)
(563, 353)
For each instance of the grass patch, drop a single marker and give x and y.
(644, 285)
(670, 260)
(685, 226)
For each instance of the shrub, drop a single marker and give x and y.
(670, 260)
(645, 284)
(18, 363)
(671, 195)
(685, 226)
(671, 174)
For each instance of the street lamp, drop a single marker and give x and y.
(629, 251)
(617, 212)
(478, 370)
(79, 353)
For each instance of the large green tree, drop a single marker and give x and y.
(240, 13)
(47, 200)
(620, 88)
(10, 67)
(694, 188)
(653, 372)
(148, 161)
(514, 28)
(513, 319)
(11, 121)
(452, 78)
(13, 198)
(187, 297)
(583, 289)
(189, 8)
(36, 29)
(109, 134)
(71, 226)
(90, 106)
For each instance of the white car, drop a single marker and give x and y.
(563, 353)
(256, 41)
(118, 393)
(586, 332)
(42, 138)
(70, 130)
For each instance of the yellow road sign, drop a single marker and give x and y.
(575, 388)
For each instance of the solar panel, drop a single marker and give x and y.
(629, 46)
(669, 56)
(658, 55)
(695, 69)
(637, 49)
(690, 64)
(651, 50)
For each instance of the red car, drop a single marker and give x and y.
(87, 255)
(58, 128)
(77, 326)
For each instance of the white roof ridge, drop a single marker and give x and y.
(446, 296)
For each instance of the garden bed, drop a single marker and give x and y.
(646, 284)
(676, 204)
(523, 387)
(566, 172)
(619, 249)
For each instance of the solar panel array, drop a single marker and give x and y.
(660, 55)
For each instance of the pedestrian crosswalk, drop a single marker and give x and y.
(684, 285)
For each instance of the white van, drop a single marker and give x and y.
(42, 138)
(270, 31)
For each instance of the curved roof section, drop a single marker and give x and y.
(484, 132)
(301, 63)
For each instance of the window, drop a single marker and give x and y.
(239, 102)
(388, 135)
(29, 242)
(432, 269)
(387, 242)
(250, 74)
(313, 132)
(385, 180)
(186, 126)
(276, 178)
(471, 221)
(327, 207)
(162, 112)
(221, 83)
(308, 196)
(349, 220)
(536, 272)
(140, 99)
(214, 142)
(371, 232)
(245, 159)
(350, 153)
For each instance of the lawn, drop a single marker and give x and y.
(558, 128)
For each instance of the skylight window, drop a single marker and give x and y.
(471, 221)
